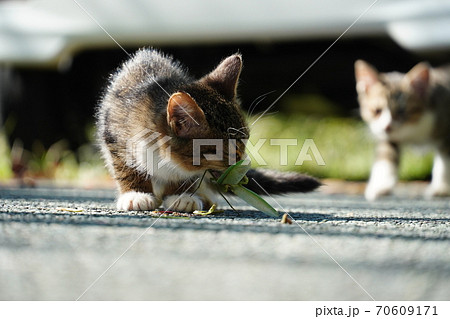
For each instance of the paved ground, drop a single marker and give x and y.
(342, 248)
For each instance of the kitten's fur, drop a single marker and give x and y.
(153, 102)
(406, 108)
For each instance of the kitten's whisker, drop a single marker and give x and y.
(271, 113)
(267, 115)
(254, 105)
(235, 129)
(256, 101)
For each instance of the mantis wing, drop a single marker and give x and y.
(233, 174)
(253, 199)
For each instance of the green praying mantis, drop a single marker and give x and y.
(233, 179)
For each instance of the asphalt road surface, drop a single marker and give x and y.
(338, 248)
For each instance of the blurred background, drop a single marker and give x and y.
(56, 57)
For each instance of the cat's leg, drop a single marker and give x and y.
(181, 198)
(440, 182)
(183, 202)
(134, 200)
(136, 191)
(383, 176)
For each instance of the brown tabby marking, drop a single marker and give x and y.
(153, 108)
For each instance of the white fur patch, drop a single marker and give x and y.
(137, 201)
(158, 187)
(184, 203)
(440, 183)
(382, 179)
(172, 171)
(379, 125)
(164, 169)
(206, 190)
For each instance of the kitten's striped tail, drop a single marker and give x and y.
(274, 182)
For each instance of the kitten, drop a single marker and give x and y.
(406, 108)
(153, 108)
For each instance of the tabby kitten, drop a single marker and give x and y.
(406, 108)
(153, 108)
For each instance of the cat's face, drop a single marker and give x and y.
(205, 121)
(393, 104)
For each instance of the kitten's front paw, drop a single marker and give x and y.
(137, 201)
(382, 180)
(376, 191)
(184, 203)
(434, 190)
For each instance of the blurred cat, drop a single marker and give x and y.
(152, 104)
(401, 109)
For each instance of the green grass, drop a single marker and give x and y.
(345, 145)
(58, 162)
(5, 158)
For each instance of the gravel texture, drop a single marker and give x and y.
(339, 247)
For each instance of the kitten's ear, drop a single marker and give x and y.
(184, 116)
(225, 77)
(366, 76)
(419, 78)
